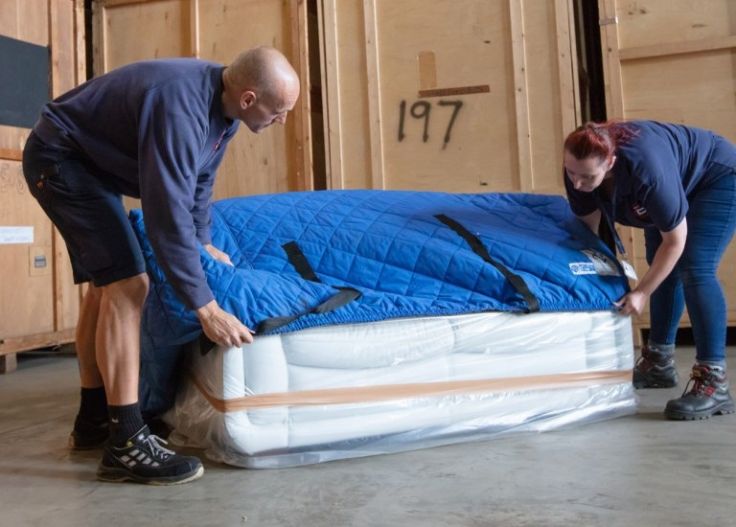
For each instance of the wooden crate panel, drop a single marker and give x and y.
(655, 22)
(39, 304)
(551, 75)
(25, 300)
(345, 94)
(675, 89)
(424, 147)
(466, 96)
(164, 24)
(262, 163)
(25, 20)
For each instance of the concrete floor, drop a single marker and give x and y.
(634, 471)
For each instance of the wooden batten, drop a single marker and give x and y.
(11, 154)
(521, 96)
(678, 48)
(302, 144)
(328, 30)
(63, 77)
(40, 340)
(194, 30)
(374, 94)
(611, 60)
(8, 363)
(567, 71)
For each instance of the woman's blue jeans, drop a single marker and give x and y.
(711, 221)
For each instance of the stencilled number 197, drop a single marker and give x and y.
(421, 110)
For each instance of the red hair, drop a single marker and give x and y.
(598, 139)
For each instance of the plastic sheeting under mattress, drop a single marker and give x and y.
(336, 392)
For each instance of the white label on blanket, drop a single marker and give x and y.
(582, 268)
(603, 265)
(11, 235)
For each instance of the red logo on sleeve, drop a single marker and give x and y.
(219, 141)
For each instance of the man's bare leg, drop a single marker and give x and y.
(133, 453)
(108, 347)
(91, 424)
(86, 330)
(118, 338)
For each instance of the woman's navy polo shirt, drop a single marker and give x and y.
(655, 173)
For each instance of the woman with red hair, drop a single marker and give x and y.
(678, 183)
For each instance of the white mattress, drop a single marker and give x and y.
(355, 390)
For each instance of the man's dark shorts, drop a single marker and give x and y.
(88, 213)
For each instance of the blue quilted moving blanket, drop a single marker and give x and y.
(393, 253)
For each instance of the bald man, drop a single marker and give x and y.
(155, 130)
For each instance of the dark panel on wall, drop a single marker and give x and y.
(24, 88)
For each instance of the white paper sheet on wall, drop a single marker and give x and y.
(21, 234)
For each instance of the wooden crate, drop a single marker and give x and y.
(461, 96)
(277, 160)
(672, 60)
(39, 306)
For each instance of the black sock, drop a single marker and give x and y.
(93, 407)
(125, 421)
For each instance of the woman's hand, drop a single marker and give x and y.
(217, 254)
(664, 261)
(632, 303)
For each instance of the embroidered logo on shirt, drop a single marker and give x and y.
(638, 209)
(219, 142)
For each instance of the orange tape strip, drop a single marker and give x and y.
(366, 394)
(427, 70)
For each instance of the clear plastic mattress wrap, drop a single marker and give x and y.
(337, 392)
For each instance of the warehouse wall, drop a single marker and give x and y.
(39, 303)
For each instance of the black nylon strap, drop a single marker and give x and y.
(300, 262)
(205, 344)
(345, 295)
(478, 248)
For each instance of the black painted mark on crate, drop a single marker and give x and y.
(422, 110)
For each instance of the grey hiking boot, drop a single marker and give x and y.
(708, 395)
(656, 367)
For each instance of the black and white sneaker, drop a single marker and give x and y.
(143, 459)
